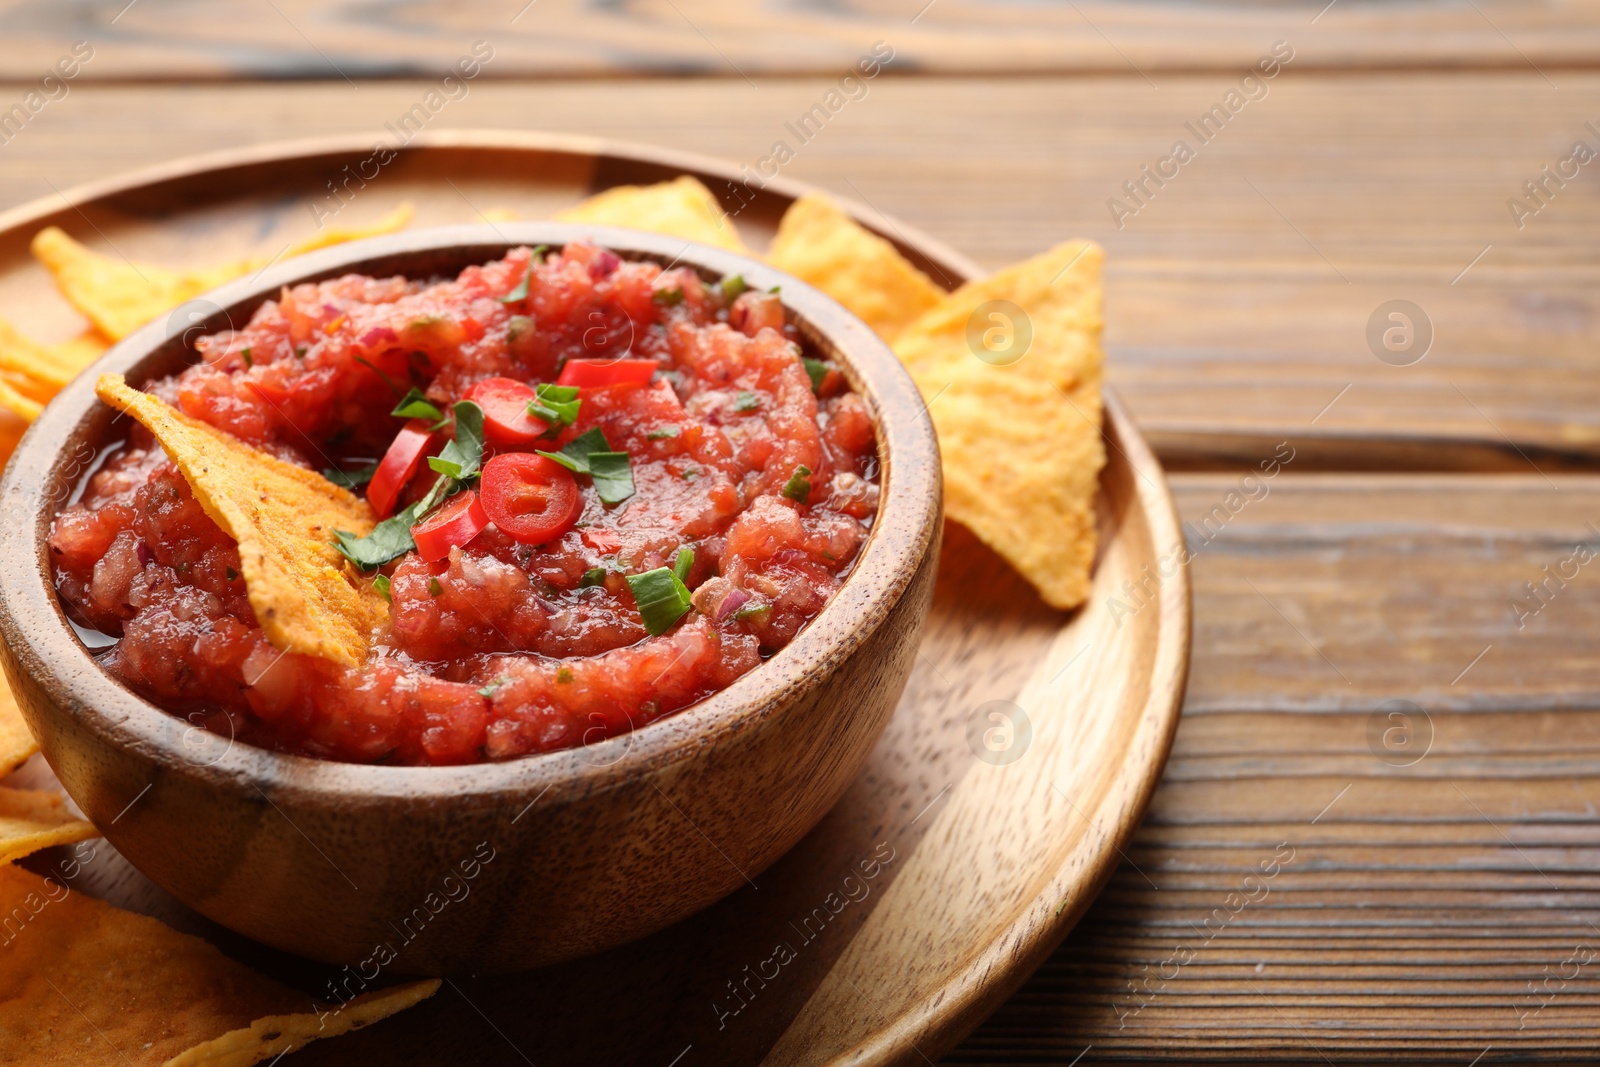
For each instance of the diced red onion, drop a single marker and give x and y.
(379, 335)
(604, 264)
(142, 550)
(736, 599)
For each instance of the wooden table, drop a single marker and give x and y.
(1384, 726)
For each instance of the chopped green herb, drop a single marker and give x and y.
(776, 289)
(249, 360)
(690, 474)
(300, 351)
(434, 588)
(662, 598)
(669, 297)
(746, 401)
(391, 538)
(517, 326)
(520, 293)
(461, 457)
(563, 676)
(556, 404)
(662, 433)
(233, 575)
(591, 454)
(682, 562)
(798, 487)
(732, 286)
(381, 584)
(414, 405)
(488, 691)
(817, 369)
(754, 609)
(386, 379)
(351, 479)
(592, 577)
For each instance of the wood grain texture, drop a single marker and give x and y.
(1422, 913)
(166, 39)
(1227, 329)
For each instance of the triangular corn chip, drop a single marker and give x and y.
(14, 400)
(116, 295)
(1019, 426)
(283, 517)
(87, 984)
(16, 740)
(276, 1035)
(821, 245)
(31, 819)
(680, 208)
(20, 355)
(393, 222)
(120, 296)
(81, 351)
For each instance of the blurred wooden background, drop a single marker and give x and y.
(1445, 879)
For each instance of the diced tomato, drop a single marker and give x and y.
(398, 466)
(589, 373)
(460, 520)
(530, 498)
(601, 539)
(506, 421)
(271, 392)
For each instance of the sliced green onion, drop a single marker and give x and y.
(682, 562)
(669, 297)
(746, 401)
(556, 404)
(592, 577)
(381, 584)
(732, 286)
(662, 597)
(662, 433)
(798, 487)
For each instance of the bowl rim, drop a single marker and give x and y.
(32, 492)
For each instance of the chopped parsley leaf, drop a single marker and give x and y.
(668, 297)
(414, 405)
(461, 457)
(746, 401)
(351, 479)
(817, 370)
(381, 584)
(798, 487)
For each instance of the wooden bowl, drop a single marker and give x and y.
(495, 866)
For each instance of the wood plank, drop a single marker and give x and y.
(1419, 907)
(563, 38)
(1227, 330)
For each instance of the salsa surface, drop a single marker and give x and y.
(753, 475)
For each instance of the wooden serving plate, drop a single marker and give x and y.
(977, 834)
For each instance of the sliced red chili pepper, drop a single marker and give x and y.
(589, 373)
(399, 464)
(530, 498)
(506, 421)
(460, 520)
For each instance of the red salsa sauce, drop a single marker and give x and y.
(753, 472)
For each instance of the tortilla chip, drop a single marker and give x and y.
(85, 983)
(283, 517)
(821, 245)
(21, 356)
(681, 208)
(120, 296)
(1021, 441)
(393, 222)
(279, 1034)
(16, 740)
(14, 400)
(81, 351)
(31, 819)
(116, 295)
